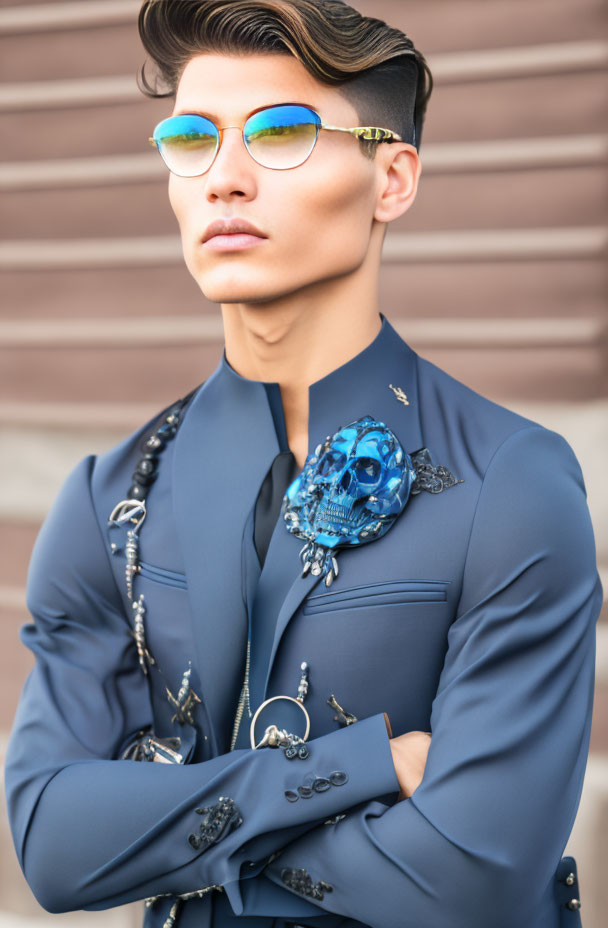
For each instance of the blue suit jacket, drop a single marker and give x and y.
(473, 618)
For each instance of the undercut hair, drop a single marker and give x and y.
(373, 65)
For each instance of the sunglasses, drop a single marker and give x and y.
(278, 137)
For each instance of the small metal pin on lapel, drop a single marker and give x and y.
(401, 396)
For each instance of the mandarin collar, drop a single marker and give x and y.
(360, 386)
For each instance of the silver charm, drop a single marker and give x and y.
(275, 737)
(140, 640)
(170, 921)
(293, 745)
(128, 509)
(186, 698)
(179, 898)
(303, 684)
(147, 747)
(343, 717)
(317, 559)
(335, 819)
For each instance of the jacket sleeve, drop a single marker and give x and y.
(92, 830)
(480, 838)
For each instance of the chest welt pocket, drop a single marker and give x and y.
(162, 575)
(387, 592)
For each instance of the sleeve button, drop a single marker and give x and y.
(338, 777)
(320, 784)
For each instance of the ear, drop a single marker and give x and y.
(398, 168)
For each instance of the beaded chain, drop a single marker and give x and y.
(146, 471)
(146, 746)
(133, 509)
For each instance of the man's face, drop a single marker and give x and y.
(317, 217)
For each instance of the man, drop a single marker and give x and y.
(403, 743)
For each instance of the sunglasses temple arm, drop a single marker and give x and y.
(359, 130)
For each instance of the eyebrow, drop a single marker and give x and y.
(193, 110)
(215, 118)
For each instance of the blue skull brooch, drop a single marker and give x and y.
(352, 489)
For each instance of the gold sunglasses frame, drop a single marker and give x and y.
(368, 133)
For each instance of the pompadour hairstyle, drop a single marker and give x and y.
(375, 66)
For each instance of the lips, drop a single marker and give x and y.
(231, 227)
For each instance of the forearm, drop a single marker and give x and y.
(108, 832)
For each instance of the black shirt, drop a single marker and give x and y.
(283, 470)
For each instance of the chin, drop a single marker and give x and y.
(232, 292)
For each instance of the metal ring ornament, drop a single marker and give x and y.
(265, 703)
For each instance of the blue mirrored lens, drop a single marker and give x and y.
(187, 143)
(282, 136)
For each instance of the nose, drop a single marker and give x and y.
(231, 171)
(223, 142)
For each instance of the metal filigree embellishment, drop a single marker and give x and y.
(401, 396)
(302, 882)
(335, 819)
(186, 700)
(430, 477)
(147, 747)
(343, 717)
(243, 703)
(303, 684)
(139, 610)
(132, 510)
(292, 745)
(218, 821)
(351, 491)
(179, 898)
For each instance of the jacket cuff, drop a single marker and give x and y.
(363, 750)
(360, 757)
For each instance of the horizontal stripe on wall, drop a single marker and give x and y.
(542, 332)
(447, 68)
(43, 17)
(437, 158)
(400, 247)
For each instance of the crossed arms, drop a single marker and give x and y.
(482, 833)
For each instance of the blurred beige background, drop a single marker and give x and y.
(497, 274)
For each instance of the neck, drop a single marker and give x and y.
(295, 342)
